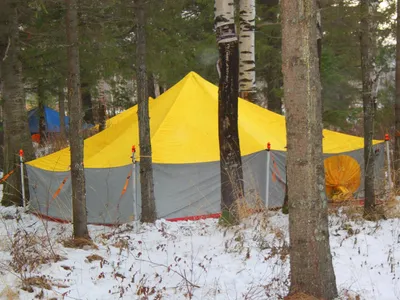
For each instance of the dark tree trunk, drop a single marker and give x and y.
(285, 207)
(310, 257)
(15, 122)
(273, 74)
(273, 98)
(367, 45)
(232, 188)
(397, 105)
(151, 86)
(61, 112)
(87, 103)
(76, 115)
(161, 89)
(102, 116)
(146, 164)
(102, 111)
(41, 111)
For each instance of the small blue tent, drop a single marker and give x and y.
(52, 119)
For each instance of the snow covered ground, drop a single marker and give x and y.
(188, 260)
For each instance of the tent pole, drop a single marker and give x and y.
(267, 180)
(134, 184)
(387, 142)
(21, 163)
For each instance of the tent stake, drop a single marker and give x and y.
(387, 142)
(267, 180)
(21, 163)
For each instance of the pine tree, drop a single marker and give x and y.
(76, 115)
(397, 104)
(146, 165)
(368, 56)
(310, 257)
(16, 130)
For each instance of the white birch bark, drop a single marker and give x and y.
(247, 64)
(225, 21)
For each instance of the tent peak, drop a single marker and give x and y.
(193, 74)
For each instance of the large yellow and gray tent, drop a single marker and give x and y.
(184, 137)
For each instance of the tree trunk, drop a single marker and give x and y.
(102, 113)
(368, 46)
(319, 35)
(41, 111)
(230, 157)
(273, 74)
(310, 257)
(87, 103)
(274, 101)
(151, 86)
(76, 115)
(102, 116)
(61, 112)
(146, 164)
(397, 105)
(247, 63)
(285, 207)
(15, 122)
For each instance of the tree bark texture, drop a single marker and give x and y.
(15, 121)
(319, 35)
(87, 103)
(397, 104)
(76, 115)
(61, 112)
(247, 64)
(367, 45)
(232, 188)
(273, 73)
(151, 86)
(102, 114)
(310, 257)
(41, 111)
(146, 164)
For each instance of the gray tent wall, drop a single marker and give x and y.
(181, 190)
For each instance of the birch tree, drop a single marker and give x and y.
(16, 130)
(146, 164)
(310, 257)
(230, 157)
(76, 115)
(247, 64)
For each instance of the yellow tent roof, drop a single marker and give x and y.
(184, 129)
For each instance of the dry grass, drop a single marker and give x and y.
(9, 294)
(249, 205)
(94, 257)
(29, 251)
(80, 243)
(352, 209)
(37, 281)
(300, 296)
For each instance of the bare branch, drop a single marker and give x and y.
(8, 47)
